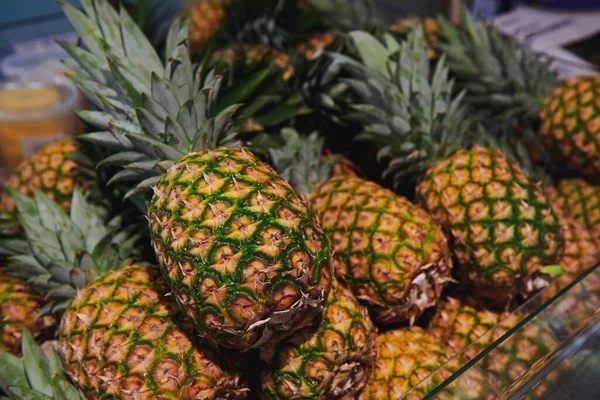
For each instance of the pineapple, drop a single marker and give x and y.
(515, 357)
(118, 337)
(241, 252)
(51, 170)
(570, 123)
(253, 223)
(519, 355)
(390, 252)
(515, 90)
(406, 357)
(333, 359)
(457, 325)
(19, 307)
(502, 227)
(580, 254)
(578, 200)
(36, 376)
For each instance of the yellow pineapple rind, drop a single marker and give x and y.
(51, 171)
(501, 225)
(331, 360)
(119, 340)
(570, 123)
(19, 307)
(406, 357)
(389, 251)
(579, 200)
(241, 251)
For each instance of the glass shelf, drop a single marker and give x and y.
(532, 352)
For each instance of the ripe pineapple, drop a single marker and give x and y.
(333, 359)
(19, 307)
(501, 226)
(570, 123)
(405, 357)
(503, 229)
(241, 252)
(389, 251)
(117, 336)
(515, 90)
(580, 254)
(222, 211)
(51, 170)
(578, 200)
(458, 325)
(501, 369)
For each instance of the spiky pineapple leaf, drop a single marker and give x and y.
(61, 253)
(36, 365)
(408, 113)
(300, 160)
(35, 376)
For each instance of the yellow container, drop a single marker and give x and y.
(33, 114)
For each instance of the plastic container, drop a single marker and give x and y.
(32, 114)
(39, 64)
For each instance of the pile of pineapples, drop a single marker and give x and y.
(295, 200)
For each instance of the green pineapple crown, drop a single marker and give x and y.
(151, 114)
(36, 375)
(61, 253)
(505, 82)
(300, 160)
(408, 113)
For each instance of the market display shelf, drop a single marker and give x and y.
(542, 356)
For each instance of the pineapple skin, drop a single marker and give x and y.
(240, 250)
(49, 170)
(458, 325)
(580, 254)
(19, 307)
(405, 357)
(330, 360)
(579, 200)
(501, 225)
(119, 340)
(389, 251)
(570, 123)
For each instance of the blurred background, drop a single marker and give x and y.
(22, 21)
